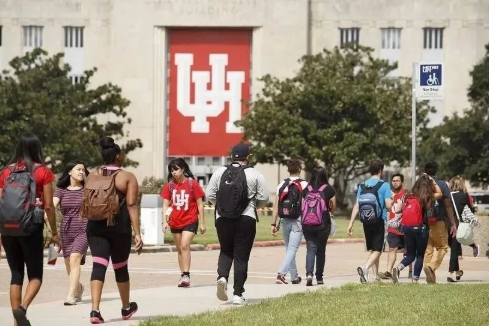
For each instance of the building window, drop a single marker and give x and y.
(432, 38)
(33, 36)
(200, 160)
(216, 161)
(73, 37)
(75, 79)
(349, 36)
(391, 38)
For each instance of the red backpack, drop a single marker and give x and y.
(412, 212)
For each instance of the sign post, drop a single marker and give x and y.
(427, 83)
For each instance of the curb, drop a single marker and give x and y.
(273, 243)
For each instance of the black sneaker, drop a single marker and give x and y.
(127, 313)
(20, 316)
(96, 317)
(320, 282)
(309, 280)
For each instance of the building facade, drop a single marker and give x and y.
(188, 65)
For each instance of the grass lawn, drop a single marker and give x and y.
(355, 304)
(263, 229)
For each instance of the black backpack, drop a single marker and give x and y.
(18, 203)
(289, 203)
(232, 194)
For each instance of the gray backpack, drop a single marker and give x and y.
(18, 203)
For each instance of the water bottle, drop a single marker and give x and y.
(38, 212)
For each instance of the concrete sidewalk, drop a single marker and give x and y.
(167, 301)
(152, 303)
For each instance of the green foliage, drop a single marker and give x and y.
(341, 108)
(460, 145)
(36, 95)
(150, 185)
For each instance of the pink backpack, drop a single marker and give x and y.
(313, 207)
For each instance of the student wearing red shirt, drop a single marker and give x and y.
(28, 250)
(395, 238)
(183, 212)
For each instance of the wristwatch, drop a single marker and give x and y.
(273, 224)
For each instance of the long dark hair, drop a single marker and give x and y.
(28, 150)
(64, 180)
(179, 163)
(109, 150)
(423, 191)
(319, 177)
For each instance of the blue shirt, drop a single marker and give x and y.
(384, 192)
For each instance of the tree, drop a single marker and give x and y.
(460, 145)
(37, 96)
(341, 108)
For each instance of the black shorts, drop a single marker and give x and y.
(189, 228)
(374, 236)
(395, 241)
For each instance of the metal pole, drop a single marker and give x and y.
(413, 122)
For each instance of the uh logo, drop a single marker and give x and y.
(208, 102)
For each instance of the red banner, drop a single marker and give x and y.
(209, 86)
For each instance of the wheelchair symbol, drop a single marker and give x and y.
(432, 80)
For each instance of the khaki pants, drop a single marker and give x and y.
(438, 240)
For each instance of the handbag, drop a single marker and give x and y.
(469, 217)
(465, 233)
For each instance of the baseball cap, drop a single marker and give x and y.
(240, 151)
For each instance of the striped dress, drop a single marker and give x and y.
(73, 229)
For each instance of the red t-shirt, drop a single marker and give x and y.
(183, 202)
(397, 197)
(42, 175)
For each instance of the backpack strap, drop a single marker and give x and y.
(281, 190)
(378, 185)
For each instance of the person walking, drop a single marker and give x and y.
(440, 217)
(109, 231)
(237, 190)
(22, 226)
(318, 202)
(395, 238)
(182, 195)
(374, 198)
(68, 196)
(460, 199)
(414, 224)
(287, 207)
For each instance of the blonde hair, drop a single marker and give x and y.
(458, 184)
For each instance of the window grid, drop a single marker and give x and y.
(33, 36)
(432, 38)
(391, 38)
(349, 36)
(73, 37)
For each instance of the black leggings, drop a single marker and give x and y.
(28, 251)
(105, 246)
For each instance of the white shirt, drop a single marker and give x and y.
(303, 183)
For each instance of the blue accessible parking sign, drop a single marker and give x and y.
(430, 81)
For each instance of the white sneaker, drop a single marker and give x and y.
(79, 293)
(222, 287)
(239, 300)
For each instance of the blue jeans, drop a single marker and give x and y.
(292, 232)
(416, 240)
(316, 250)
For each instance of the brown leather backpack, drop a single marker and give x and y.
(100, 198)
